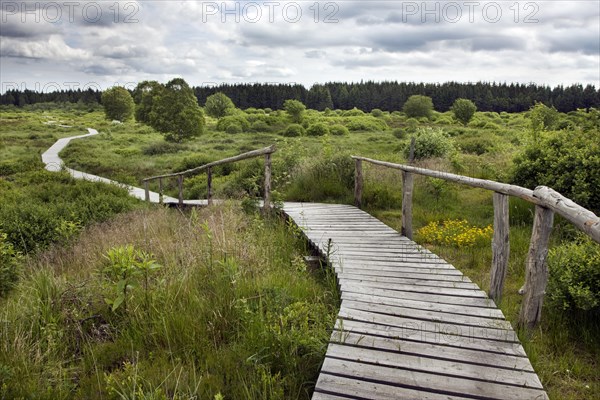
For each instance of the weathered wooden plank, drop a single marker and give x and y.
(536, 272)
(426, 315)
(267, 188)
(414, 334)
(366, 295)
(441, 330)
(371, 390)
(399, 267)
(410, 281)
(431, 350)
(449, 291)
(435, 366)
(402, 274)
(500, 246)
(209, 186)
(426, 385)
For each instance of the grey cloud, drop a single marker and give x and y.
(315, 54)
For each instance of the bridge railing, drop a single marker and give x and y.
(547, 202)
(267, 151)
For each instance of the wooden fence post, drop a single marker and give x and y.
(358, 183)
(160, 191)
(500, 246)
(267, 198)
(209, 185)
(407, 192)
(146, 191)
(180, 184)
(536, 274)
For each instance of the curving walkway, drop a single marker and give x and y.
(53, 162)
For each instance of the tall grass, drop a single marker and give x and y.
(232, 311)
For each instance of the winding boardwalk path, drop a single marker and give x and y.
(410, 325)
(53, 162)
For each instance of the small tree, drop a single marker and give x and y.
(418, 106)
(542, 118)
(218, 105)
(295, 109)
(464, 110)
(118, 103)
(143, 96)
(175, 112)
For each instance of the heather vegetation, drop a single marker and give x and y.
(154, 303)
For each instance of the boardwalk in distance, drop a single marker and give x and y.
(410, 325)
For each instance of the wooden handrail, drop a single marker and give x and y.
(254, 153)
(547, 202)
(267, 151)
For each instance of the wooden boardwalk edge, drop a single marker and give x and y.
(410, 325)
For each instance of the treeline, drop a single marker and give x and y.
(387, 96)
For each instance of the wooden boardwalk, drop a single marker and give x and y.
(410, 325)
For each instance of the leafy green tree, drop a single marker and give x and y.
(430, 142)
(218, 105)
(143, 96)
(418, 106)
(118, 103)
(295, 110)
(464, 110)
(542, 118)
(175, 112)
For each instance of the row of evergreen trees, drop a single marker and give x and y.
(387, 96)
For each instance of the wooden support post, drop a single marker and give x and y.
(209, 185)
(407, 192)
(358, 183)
(160, 191)
(267, 197)
(500, 246)
(536, 274)
(180, 184)
(147, 191)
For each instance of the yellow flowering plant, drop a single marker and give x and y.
(456, 233)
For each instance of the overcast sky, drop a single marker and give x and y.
(48, 45)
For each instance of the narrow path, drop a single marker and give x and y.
(410, 325)
(53, 162)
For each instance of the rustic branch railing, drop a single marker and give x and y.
(267, 151)
(547, 202)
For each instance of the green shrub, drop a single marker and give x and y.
(376, 112)
(323, 179)
(574, 276)
(233, 128)
(418, 106)
(338, 130)
(294, 130)
(400, 133)
(158, 148)
(259, 126)
(238, 119)
(9, 263)
(318, 129)
(366, 123)
(430, 142)
(567, 161)
(476, 144)
(355, 112)
(463, 110)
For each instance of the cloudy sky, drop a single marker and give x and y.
(48, 45)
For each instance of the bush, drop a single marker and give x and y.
(574, 276)
(323, 180)
(400, 133)
(338, 130)
(9, 263)
(233, 129)
(218, 105)
(376, 112)
(476, 144)
(418, 106)
(259, 126)
(463, 110)
(294, 130)
(366, 123)
(355, 112)
(566, 161)
(242, 124)
(158, 148)
(318, 129)
(430, 142)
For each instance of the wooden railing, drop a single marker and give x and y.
(267, 151)
(547, 202)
